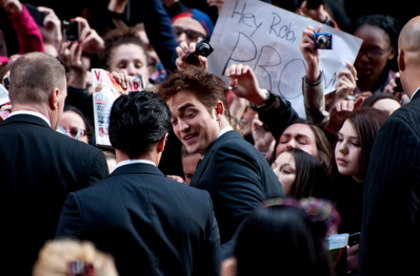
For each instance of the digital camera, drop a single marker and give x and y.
(71, 30)
(323, 41)
(203, 48)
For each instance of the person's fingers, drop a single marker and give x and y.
(45, 9)
(78, 54)
(256, 124)
(345, 73)
(203, 62)
(180, 52)
(246, 69)
(124, 79)
(83, 22)
(231, 70)
(84, 27)
(318, 29)
(338, 106)
(176, 178)
(116, 77)
(180, 64)
(239, 69)
(84, 34)
(184, 46)
(72, 51)
(358, 103)
(233, 82)
(61, 46)
(192, 47)
(308, 32)
(352, 69)
(350, 106)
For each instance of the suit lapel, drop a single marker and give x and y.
(203, 164)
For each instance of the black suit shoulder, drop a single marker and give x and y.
(39, 167)
(391, 195)
(238, 180)
(168, 225)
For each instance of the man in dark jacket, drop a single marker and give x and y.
(38, 165)
(235, 174)
(149, 223)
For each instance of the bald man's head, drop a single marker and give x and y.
(409, 55)
(33, 76)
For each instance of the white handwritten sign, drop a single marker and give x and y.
(267, 39)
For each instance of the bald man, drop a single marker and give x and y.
(390, 237)
(38, 165)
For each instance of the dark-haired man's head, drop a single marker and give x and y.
(139, 123)
(38, 83)
(198, 106)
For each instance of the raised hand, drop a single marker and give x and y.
(244, 83)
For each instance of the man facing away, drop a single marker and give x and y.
(391, 219)
(38, 165)
(235, 174)
(149, 223)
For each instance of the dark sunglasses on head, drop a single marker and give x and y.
(191, 34)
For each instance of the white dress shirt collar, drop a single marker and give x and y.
(32, 113)
(224, 130)
(134, 161)
(415, 92)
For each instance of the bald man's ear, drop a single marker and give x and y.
(53, 98)
(401, 62)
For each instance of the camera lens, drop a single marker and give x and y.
(204, 49)
(322, 40)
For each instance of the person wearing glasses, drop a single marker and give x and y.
(166, 33)
(376, 62)
(76, 125)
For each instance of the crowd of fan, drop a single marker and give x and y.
(323, 163)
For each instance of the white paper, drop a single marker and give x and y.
(267, 39)
(4, 95)
(105, 91)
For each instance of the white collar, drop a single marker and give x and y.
(224, 130)
(133, 161)
(415, 92)
(32, 113)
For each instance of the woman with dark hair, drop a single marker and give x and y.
(308, 137)
(285, 237)
(281, 119)
(355, 141)
(376, 62)
(76, 125)
(383, 101)
(125, 52)
(301, 174)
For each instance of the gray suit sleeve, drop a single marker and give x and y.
(70, 223)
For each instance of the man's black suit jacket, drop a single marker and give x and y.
(38, 168)
(238, 179)
(149, 223)
(390, 236)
